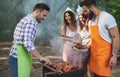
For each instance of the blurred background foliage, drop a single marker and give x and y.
(11, 11)
(114, 9)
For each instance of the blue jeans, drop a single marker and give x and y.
(13, 66)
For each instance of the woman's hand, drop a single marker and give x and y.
(66, 38)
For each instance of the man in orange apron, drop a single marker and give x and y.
(105, 39)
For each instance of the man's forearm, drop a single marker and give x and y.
(115, 46)
(115, 35)
(36, 54)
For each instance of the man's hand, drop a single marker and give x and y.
(113, 61)
(44, 60)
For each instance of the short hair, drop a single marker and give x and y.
(88, 3)
(41, 7)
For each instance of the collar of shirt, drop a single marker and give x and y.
(31, 15)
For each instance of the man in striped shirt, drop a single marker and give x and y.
(24, 36)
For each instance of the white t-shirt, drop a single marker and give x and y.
(106, 21)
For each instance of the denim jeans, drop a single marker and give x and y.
(13, 66)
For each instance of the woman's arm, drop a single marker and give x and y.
(89, 44)
(63, 31)
(78, 41)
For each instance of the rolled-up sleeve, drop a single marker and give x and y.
(29, 36)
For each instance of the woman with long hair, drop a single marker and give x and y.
(69, 33)
(84, 32)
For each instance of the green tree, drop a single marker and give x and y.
(10, 13)
(114, 9)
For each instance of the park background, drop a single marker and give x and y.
(48, 32)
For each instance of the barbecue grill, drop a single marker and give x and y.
(52, 72)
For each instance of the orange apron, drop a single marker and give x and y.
(101, 52)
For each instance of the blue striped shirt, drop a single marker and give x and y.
(25, 33)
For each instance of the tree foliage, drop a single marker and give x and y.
(10, 13)
(114, 9)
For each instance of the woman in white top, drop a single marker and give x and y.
(70, 34)
(84, 32)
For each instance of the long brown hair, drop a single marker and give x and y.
(72, 17)
(65, 23)
(85, 21)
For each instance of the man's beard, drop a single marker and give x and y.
(91, 15)
(39, 19)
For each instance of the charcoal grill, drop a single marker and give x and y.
(51, 72)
